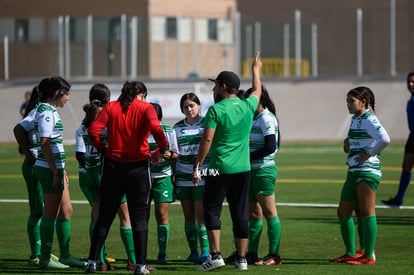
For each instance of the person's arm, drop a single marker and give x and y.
(156, 129)
(268, 148)
(96, 127)
(21, 138)
(80, 157)
(256, 82)
(205, 145)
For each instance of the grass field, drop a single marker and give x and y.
(310, 175)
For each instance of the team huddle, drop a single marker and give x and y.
(128, 158)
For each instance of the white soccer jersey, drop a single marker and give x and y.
(28, 123)
(263, 125)
(48, 124)
(366, 135)
(188, 138)
(84, 144)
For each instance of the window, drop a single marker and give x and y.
(212, 29)
(21, 30)
(171, 28)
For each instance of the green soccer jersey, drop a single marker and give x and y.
(188, 138)
(366, 135)
(48, 124)
(163, 168)
(232, 120)
(263, 125)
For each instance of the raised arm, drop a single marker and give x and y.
(256, 83)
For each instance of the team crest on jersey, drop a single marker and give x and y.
(47, 119)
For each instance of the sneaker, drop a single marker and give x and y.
(393, 203)
(141, 269)
(162, 259)
(52, 265)
(104, 267)
(270, 259)
(34, 260)
(342, 259)
(54, 258)
(251, 258)
(203, 256)
(241, 263)
(232, 258)
(362, 261)
(90, 268)
(360, 253)
(213, 262)
(72, 262)
(109, 260)
(193, 257)
(131, 266)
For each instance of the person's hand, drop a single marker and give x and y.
(196, 177)
(257, 63)
(362, 157)
(155, 156)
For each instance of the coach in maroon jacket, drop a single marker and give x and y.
(129, 120)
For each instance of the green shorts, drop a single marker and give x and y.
(162, 190)
(262, 182)
(89, 184)
(353, 179)
(190, 193)
(34, 189)
(45, 177)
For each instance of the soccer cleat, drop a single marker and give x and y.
(212, 263)
(109, 260)
(361, 261)
(231, 259)
(393, 203)
(90, 268)
(161, 259)
(270, 259)
(72, 262)
(251, 258)
(203, 256)
(241, 263)
(52, 265)
(104, 267)
(34, 260)
(342, 259)
(141, 269)
(360, 253)
(193, 257)
(54, 258)
(130, 266)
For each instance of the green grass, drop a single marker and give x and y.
(307, 173)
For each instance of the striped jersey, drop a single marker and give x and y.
(48, 124)
(366, 135)
(28, 123)
(263, 125)
(84, 144)
(188, 138)
(163, 168)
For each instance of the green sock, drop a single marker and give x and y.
(202, 237)
(47, 233)
(370, 234)
(274, 230)
(191, 234)
(163, 232)
(255, 231)
(348, 234)
(128, 240)
(63, 236)
(33, 232)
(360, 234)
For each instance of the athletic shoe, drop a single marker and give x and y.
(141, 269)
(90, 268)
(161, 259)
(34, 260)
(241, 263)
(109, 260)
(393, 203)
(362, 261)
(193, 257)
(232, 258)
(251, 258)
(342, 259)
(203, 256)
(360, 253)
(104, 267)
(54, 258)
(52, 265)
(213, 262)
(130, 266)
(72, 262)
(270, 259)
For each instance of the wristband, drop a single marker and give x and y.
(196, 166)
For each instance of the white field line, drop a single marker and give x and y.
(290, 204)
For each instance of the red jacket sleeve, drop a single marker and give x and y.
(96, 128)
(156, 129)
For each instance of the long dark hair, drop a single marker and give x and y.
(129, 91)
(158, 109)
(48, 87)
(99, 95)
(364, 93)
(34, 98)
(191, 96)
